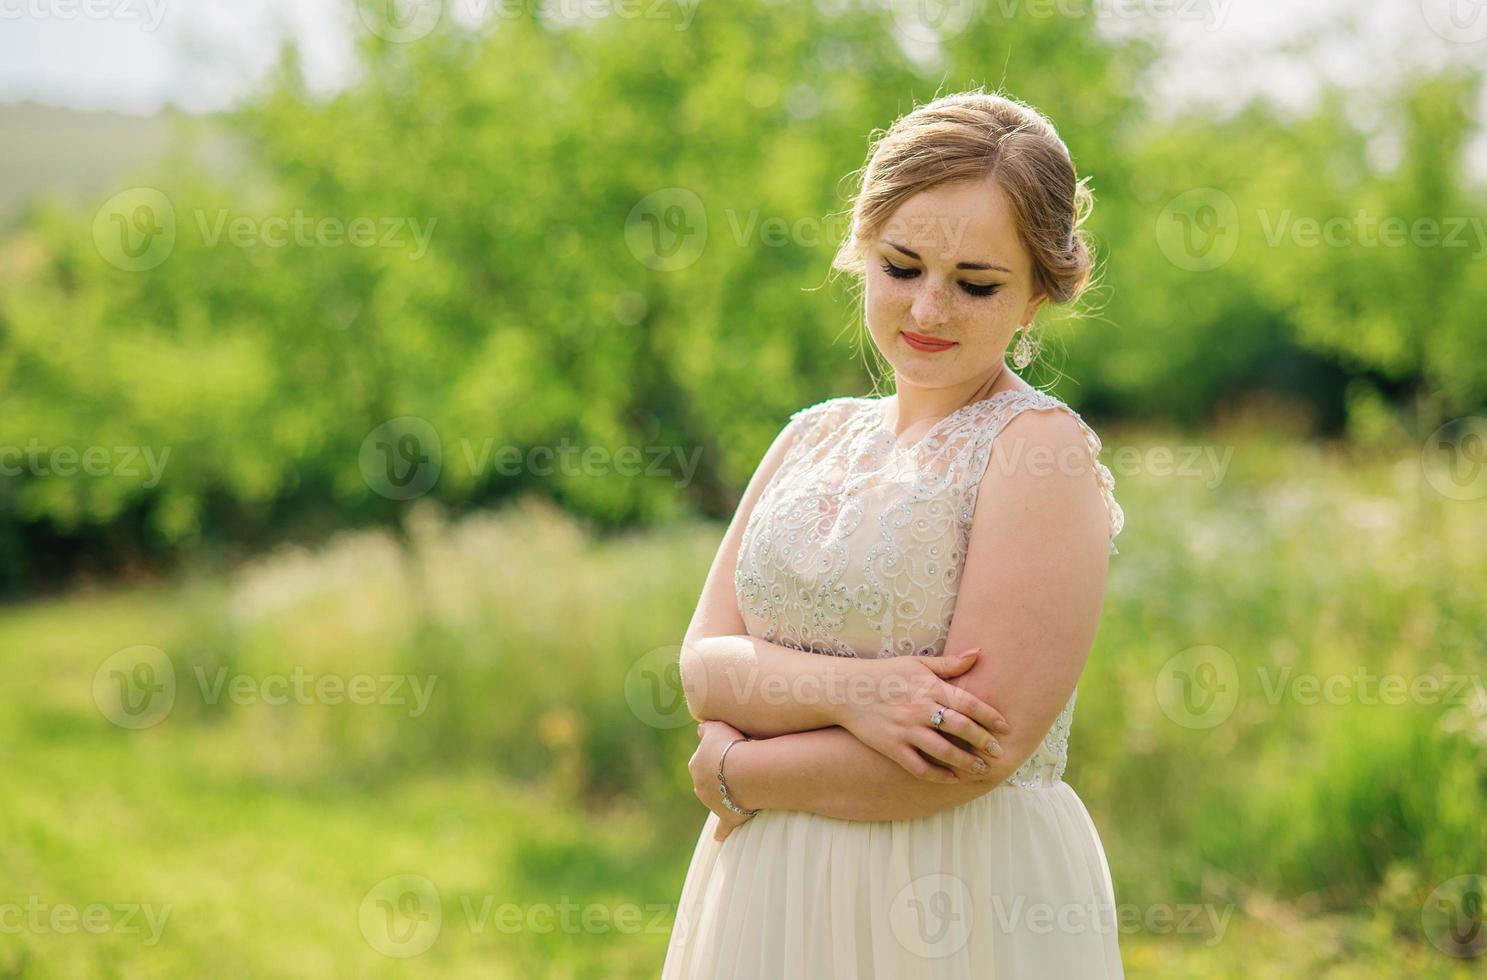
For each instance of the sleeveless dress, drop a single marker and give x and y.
(855, 549)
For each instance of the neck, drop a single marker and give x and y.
(914, 404)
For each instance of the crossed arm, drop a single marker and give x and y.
(1030, 596)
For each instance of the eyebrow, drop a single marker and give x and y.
(959, 265)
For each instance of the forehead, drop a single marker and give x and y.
(967, 221)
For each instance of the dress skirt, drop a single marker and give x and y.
(1013, 884)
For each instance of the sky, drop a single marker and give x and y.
(137, 56)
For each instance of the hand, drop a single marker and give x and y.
(895, 720)
(715, 736)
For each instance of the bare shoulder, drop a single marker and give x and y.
(1043, 473)
(1046, 431)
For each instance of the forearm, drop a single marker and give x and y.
(764, 689)
(831, 773)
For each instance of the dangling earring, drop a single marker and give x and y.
(1024, 350)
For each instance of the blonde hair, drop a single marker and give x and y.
(972, 136)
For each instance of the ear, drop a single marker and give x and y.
(1031, 310)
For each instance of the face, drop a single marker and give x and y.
(949, 266)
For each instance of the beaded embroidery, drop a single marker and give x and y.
(856, 546)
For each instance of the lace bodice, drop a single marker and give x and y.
(855, 547)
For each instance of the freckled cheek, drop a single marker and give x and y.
(888, 302)
(884, 290)
(903, 294)
(890, 295)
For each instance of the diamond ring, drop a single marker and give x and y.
(937, 717)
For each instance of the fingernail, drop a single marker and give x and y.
(979, 766)
(1002, 727)
(994, 747)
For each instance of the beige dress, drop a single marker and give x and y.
(855, 549)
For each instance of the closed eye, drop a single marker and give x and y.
(971, 288)
(899, 272)
(980, 289)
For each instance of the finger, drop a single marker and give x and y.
(962, 726)
(921, 768)
(952, 664)
(989, 718)
(993, 762)
(942, 750)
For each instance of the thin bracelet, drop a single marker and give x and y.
(723, 785)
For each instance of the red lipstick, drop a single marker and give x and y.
(919, 341)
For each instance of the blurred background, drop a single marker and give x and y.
(376, 380)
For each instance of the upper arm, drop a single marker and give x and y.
(1034, 574)
(717, 612)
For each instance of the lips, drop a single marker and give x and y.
(919, 341)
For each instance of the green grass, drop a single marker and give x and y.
(544, 775)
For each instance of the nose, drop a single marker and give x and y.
(930, 308)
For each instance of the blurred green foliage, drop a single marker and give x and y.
(534, 313)
(549, 761)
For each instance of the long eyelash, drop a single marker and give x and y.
(971, 288)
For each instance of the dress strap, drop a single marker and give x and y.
(813, 423)
(998, 411)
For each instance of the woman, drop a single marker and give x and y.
(895, 809)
